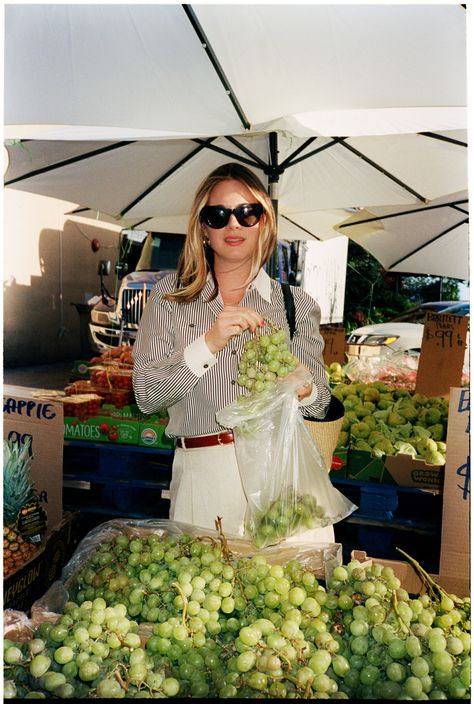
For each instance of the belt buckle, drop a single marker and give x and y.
(183, 444)
(219, 441)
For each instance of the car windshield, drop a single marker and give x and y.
(160, 252)
(418, 314)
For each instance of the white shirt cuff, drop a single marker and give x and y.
(198, 357)
(311, 398)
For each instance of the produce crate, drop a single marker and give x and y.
(391, 516)
(361, 466)
(30, 582)
(339, 463)
(115, 480)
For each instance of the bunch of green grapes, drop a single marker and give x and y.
(240, 627)
(265, 359)
(94, 650)
(288, 514)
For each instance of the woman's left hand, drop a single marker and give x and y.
(304, 391)
(301, 373)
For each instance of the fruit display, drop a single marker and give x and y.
(265, 359)
(164, 616)
(115, 397)
(18, 492)
(82, 406)
(385, 420)
(121, 355)
(111, 377)
(335, 373)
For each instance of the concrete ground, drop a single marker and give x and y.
(41, 376)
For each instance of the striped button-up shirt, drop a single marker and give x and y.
(174, 368)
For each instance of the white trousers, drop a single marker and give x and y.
(206, 483)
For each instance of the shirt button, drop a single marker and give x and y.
(206, 366)
(191, 325)
(234, 352)
(233, 382)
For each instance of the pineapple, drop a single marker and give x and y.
(18, 490)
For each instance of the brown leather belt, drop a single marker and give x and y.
(205, 440)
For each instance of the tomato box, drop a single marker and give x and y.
(152, 434)
(120, 426)
(102, 428)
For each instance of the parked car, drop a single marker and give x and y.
(403, 333)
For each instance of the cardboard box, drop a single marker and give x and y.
(409, 578)
(455, 527)
(404, 470)
(30, 582)
(34, 413)
(124, 426)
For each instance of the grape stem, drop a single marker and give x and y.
(177, 585)
(226, 552)
(428, 582)
(400, 618)
(119, 679)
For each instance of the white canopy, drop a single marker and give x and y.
(136, 180)
(426, 239)
(169, 70)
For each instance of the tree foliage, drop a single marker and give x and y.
(374, 295)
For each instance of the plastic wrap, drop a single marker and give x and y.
(287, 486)
(17, 626)
(320, 558)
(397, 369)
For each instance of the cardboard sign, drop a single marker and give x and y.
(32, 413)
(442, 354)
(334, 344)
(454, 556)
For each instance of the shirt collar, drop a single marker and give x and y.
(262, 283)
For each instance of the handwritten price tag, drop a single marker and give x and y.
(334, 344)
(442, 353)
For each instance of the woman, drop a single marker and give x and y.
(192, 334)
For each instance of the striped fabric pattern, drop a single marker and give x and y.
(162, 379)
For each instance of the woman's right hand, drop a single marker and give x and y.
(233, 320)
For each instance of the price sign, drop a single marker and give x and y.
(442, 353)
(334, 344)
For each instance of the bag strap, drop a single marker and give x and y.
(289, 307)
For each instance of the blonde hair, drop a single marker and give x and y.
(196, 259)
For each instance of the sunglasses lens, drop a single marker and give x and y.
(215, 216)
(248, 215)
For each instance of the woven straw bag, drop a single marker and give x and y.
(325, 431)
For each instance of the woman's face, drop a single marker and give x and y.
(233, 243)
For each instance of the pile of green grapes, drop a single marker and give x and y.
(221, 626)
(291, 513)
(265, 359)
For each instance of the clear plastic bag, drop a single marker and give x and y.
(283, 475)
(394, 367)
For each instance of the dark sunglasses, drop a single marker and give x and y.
(216, 216)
